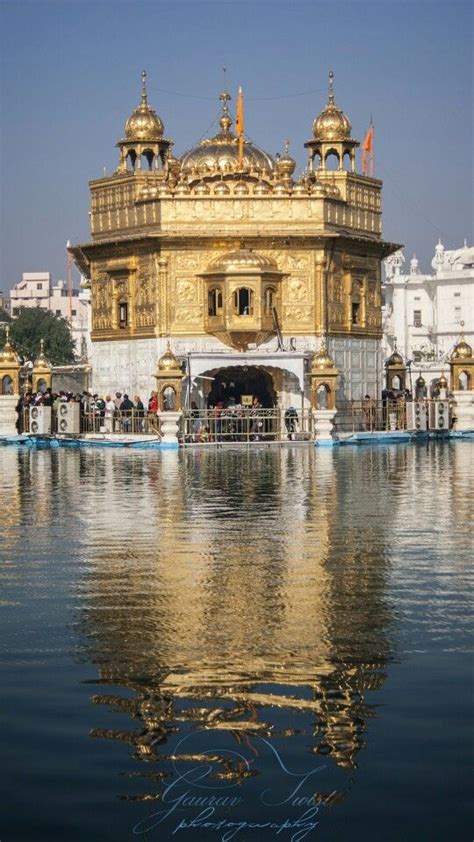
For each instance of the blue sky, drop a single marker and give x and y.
(70, 76)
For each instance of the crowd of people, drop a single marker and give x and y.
(97, 413)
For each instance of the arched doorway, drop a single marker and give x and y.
(235, 383)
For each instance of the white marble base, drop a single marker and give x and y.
(464, 411)
(8, 416)
(169, 425)
(323, 426)
(128, 366)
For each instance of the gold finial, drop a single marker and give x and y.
(286, 146)
(42, 347)
(224, 98)
(144, 96)
(331, 88)
(7, 331)
(225, 122)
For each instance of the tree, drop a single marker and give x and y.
(4, 316)
(34, 324)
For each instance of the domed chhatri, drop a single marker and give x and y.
(144, 123)
(168, 361)
(331, 135)
(220, 154)
(332, 123)
(462, 350)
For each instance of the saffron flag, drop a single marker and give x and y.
(368, 149)
(239, 124)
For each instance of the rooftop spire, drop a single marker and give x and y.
(144, 96)
(225, 121)
(331, 89)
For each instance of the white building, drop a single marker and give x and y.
(425, 314)
(36, 289)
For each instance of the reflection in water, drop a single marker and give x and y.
(233, 592)
(248, 596)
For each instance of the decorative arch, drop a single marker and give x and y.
(243, 301)
(7, 385)
(332, 156)
(464, 381)
(215, 301)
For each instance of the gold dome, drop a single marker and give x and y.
(41, 361)
(395, 359)
(220, 154)
(332, 123)
(286, 165)
(241, 189)
(420, 381)
(168, 361)
(322, 360)
(243, 260)
(462, 350)
(442, 382)
(144, 124)
(8, 355)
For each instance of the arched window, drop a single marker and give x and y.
(41, 386)
(322, 396)
(123, 313)
(332, 160)
(214, 303)
(269, 300)
(148, 156)
(243, 302)
(355, 303)
(169, 398)
(463, 381)
(347, 161)
(396, 382)
(132, 157)
(7, 385)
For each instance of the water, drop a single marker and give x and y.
(236, 644)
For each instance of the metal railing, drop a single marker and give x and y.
(132, 422)
(243, 424)
(122, 423)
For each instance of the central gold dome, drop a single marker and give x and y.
(219, 155)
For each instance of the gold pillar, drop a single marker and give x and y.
(461, 365)
(169, 378)
(323, 380)
(9, 369)
(395, 367)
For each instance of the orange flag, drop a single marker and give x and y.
(368, 150)
(239, 124)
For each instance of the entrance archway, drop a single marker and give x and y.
(232, 383)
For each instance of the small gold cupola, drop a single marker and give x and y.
(143, 146)
(331, 136)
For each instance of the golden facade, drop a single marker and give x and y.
(225, 244)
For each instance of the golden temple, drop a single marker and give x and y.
(239, 264)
